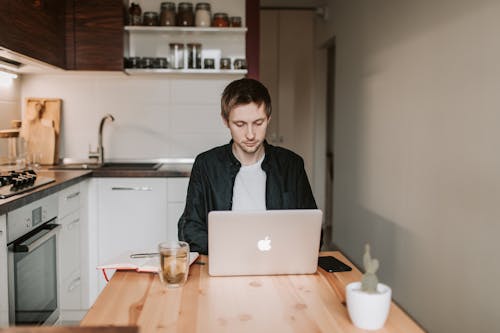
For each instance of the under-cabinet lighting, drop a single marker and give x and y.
(7, 74)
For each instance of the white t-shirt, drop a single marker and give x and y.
(249, 191)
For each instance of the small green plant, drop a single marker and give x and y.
(369, 281)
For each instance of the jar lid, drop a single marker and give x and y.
(193, 44)
(185, 5)
(176, 44)
(152, 14)
(220, 15)
(168, 5)
(203, 5)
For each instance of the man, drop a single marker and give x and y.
(245, 174)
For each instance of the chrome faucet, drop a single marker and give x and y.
(99, 153)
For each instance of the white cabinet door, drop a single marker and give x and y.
(4, 297)
(132, 215)
(176, 197)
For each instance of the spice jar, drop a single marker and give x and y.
(220, 20)
(177, 55)
(225, 63)
(150, 18)
(235, 21)
(185, 16)
(194, 55)
(209, 63)
(167, 14)
(240, 64)
(134, 14)
(202, 15)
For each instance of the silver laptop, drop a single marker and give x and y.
(263, 242)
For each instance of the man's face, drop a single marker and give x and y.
(248, 125)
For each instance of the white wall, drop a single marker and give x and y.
(417, 152)
(155, 116)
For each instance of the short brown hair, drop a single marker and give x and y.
(244, 91)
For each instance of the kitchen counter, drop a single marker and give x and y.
(165, 170)
(62, 178)
(67, 176)
(278, 303)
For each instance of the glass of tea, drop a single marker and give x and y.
(174, 263)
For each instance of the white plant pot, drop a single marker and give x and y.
(368, 311)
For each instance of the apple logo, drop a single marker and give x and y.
(264, 244)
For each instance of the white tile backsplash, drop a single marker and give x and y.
(155, 116)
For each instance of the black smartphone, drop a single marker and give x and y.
(332, 264)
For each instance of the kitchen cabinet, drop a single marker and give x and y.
(131, 215)
(72, 249)
(216, 43)
(4, 297)
(176, 201)
(94, 39)
(35, 29)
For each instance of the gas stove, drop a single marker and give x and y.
(17, 182)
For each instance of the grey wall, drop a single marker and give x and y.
(417, 144)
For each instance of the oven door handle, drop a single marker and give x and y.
(27, 247)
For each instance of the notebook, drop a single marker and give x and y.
(263, 242)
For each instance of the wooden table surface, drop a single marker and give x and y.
(280, 303)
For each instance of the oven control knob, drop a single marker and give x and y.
(28, 222)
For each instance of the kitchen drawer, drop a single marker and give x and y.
(177, 189)
(69, 200)
(71, 292)
(70, 243)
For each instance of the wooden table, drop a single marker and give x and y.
(285, 303)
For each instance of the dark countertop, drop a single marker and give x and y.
(67, 177)
(63, 179)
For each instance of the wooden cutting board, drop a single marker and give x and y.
(41, 127)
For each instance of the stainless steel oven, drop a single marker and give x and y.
(32, 242)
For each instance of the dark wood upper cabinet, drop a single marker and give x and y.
(34, 28)
(94, 34)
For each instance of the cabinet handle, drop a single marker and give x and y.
(137, 188)
(75, 283)
(72, 195)
(72, 223)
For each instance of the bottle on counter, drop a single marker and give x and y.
(167, 14)
(203, 15)
(185, 15)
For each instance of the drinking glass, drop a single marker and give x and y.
(174, 263)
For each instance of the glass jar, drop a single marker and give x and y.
(150, 18)
(235, 21)
(203, 15)
(177, 55)
(194, 55)
(220, 20)
(167, 14)
(225, 63)
(185, 15)
(134, 14)
(240, 64)
(209, 63)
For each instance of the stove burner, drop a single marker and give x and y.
(20, 181)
